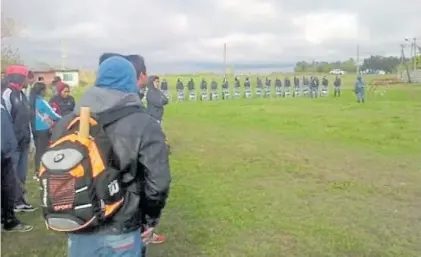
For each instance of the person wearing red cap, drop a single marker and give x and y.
(62, 103)
(17, 106)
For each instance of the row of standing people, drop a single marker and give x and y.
(305, 81)
(306, 86)
(309, 86)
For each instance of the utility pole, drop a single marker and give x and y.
(225, 59)
(358, 59)
(63, 55)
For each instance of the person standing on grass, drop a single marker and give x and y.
(138, 63)
(359, 90)
(337, 84)
(62, 103)
(9, 146)
(43, 118)
(155, 99)
(141, 155)
(17, 105)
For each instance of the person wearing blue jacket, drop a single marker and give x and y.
(43, 118)
(9, 147)
(359, 90)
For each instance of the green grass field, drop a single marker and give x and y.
(283, 177)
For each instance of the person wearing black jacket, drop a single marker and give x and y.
(9, 147)
(337, 84)
(142, 158)
(62, 103)
(17, 105)
(164, 85)
(155, 99)
(203, 85)
(179, 86)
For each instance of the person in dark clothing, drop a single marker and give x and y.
(142, 158)
(296, 82)
(278, 83)
(203, 85)
(190, 85)
(325, 82)
(259, 83)
(287, 82)
(62, 103)
(247, 83)
(43, 117)
(138, 63)
(237, 82)
(17, 105)
(214, 85)
(164, 85)
(155, 99)
(313, 87)
(225, 84)
(9, 147)
(268, 82)
(337, 89)
(179, 85)
(225, 89)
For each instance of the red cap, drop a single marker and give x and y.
(17, 69)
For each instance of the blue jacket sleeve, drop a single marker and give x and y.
(46, 108)
(9, 144)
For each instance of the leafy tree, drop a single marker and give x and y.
(376, 62)
(316, 66)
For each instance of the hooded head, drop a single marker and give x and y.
(63, 89)
(117, 73)
(151, 81)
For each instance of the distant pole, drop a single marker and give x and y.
(358, 59)
(415, 54)
(63, 55)
(225, 59)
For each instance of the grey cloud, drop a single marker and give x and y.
(181, 30)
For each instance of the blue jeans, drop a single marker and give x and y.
(124, 245)
(20, 161)
(360, 95)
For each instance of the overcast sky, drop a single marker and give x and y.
(167, 31)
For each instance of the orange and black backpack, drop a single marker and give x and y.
(80, 188)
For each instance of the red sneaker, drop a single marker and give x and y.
(157, 239)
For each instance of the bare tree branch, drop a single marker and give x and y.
(9, 29)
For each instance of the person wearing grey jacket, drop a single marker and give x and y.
(155, 99)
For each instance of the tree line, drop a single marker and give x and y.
(388, 64)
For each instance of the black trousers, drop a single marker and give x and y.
(8, 184)
(41, 140)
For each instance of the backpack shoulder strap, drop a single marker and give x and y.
(112, 116)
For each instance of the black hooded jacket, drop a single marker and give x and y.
(155, 100)
(204, 85)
